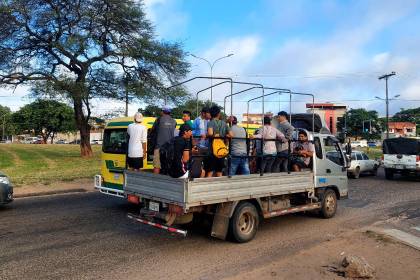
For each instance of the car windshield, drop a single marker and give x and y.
(405, 146)
(115, 141)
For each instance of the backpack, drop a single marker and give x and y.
(220, 150)
(170, 164)
(152, 141)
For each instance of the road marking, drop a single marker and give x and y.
(403, 237)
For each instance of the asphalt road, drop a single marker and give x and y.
(87, 236)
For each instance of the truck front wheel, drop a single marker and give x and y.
(329, 204)
(244, 222)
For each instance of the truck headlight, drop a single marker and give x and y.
(4, 180)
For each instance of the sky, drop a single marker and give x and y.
(335, 50)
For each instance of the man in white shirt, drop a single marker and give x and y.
(137, 133)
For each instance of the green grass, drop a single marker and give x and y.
(28, 164)
(372, 152)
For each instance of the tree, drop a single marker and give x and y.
(355, 118)
(45, 118)
(408, 115)
(189, 105)
(85, 49)
(6, 125)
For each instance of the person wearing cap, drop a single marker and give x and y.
(163, 131)
(182, 146)
(137, 133)
(238, 149)
(280, 164)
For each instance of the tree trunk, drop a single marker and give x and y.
(83, 126)
(52, 138)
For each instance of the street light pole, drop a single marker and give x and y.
(211, 65)
(386, 77)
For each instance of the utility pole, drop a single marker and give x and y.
(4, 121)
(386, 77)
(211, 65)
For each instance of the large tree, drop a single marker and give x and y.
(357, 119)
(85, 49)
(7, 126)
(45, 118)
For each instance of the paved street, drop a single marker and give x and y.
(87, 236)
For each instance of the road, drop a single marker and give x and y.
(87, 236)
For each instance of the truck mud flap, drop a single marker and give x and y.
(157, 225)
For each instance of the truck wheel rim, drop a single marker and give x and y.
(246, 223)
(330, 203)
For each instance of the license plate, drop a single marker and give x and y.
(154, 206)
(399, 166)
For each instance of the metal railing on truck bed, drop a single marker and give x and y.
(204, 191)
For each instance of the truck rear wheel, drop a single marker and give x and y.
(389, 174)
(329, 204)
(244, 222)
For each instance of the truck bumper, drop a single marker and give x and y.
(105, 190)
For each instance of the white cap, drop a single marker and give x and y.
(138, 117)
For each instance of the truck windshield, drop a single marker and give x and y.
(115, 141)
(403, 146)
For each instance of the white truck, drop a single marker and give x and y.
(402, 156)
(238, 203)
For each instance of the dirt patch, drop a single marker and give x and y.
(79, 185)
(391, 260)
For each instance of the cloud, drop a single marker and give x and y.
(169, 20)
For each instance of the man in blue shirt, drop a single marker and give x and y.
(200, 127)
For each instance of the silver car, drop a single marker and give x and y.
(360, 163)
(6, 189)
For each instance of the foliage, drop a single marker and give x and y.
(188, 105)
(45, 118)
(86, 49)
(355, 118)
(6, 120)
(409, 115)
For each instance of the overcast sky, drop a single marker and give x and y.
(334, 49)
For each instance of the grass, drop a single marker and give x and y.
(372, 152)
(28, 164)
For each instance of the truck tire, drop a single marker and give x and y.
(389, 173)
(328, 204)
(244, 222)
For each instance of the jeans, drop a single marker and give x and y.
(267, 163)
(280, 163)
(239, 165)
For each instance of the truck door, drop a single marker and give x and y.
(330, 167)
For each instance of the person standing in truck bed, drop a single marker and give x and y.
(163, 130)
(137, 133)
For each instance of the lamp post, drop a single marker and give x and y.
(387, 115)
(211, 65)
(386, 77)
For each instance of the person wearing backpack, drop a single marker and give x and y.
(175, 155)
(238, 149)
(162, 131)
(217, 130)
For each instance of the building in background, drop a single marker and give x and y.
(329, 112)
(402, 129)
(254, 118)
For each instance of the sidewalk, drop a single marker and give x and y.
(80, 185)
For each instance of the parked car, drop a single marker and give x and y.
(75, 142)
(61, 142)
(360, 163)
(96, 142)
(6, 189)
(359, 143)
(372, 144)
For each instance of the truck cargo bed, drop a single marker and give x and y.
(203, 191)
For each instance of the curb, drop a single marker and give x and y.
(34, 194)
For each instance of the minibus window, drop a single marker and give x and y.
(115, 141)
